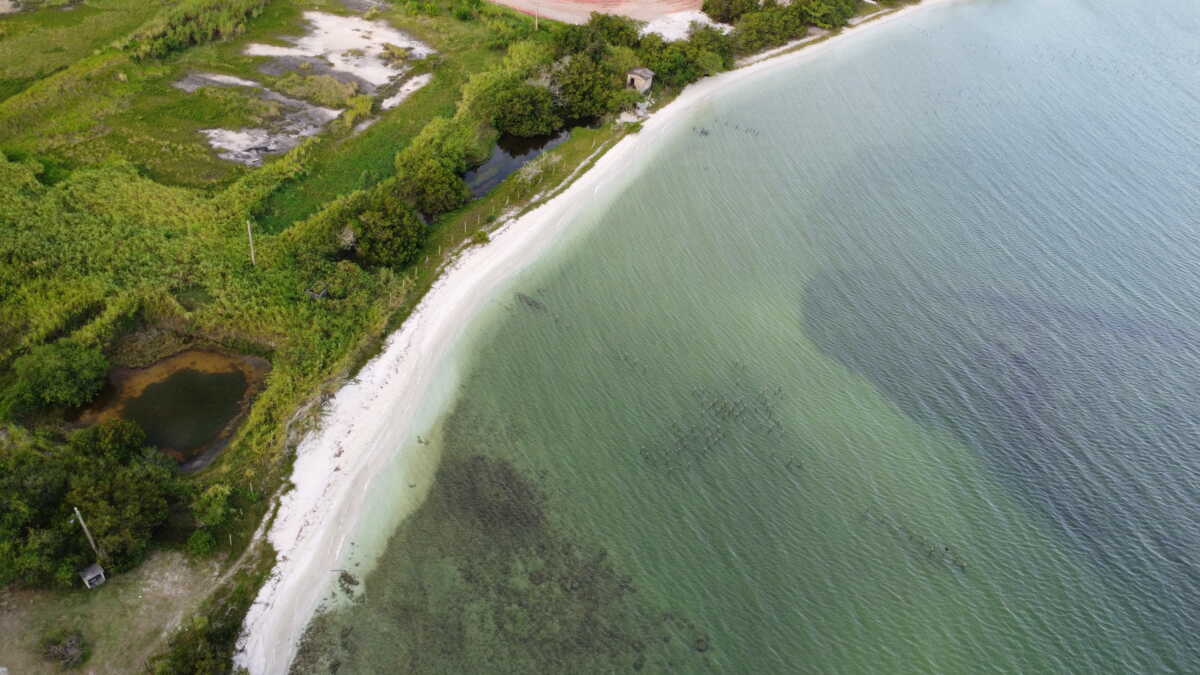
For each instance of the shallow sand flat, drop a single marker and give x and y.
(350, 44)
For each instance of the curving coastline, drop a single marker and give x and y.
(373, 416)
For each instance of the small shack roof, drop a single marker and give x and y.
(642, 72)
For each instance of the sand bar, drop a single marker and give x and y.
(375, 415)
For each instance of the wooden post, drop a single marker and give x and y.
(250, 236)
(91, 541)
(535, 16)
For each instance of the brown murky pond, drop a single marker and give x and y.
(188, 404)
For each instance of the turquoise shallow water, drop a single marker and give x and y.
(895, 369)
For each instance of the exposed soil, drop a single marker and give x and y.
(123, 620)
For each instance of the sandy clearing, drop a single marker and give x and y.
(675, 26)
(371, 422)
(406, 90)
(250, 146)
(350, 44)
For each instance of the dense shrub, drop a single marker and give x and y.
(679, 63)
(427, 171)
(64, 373)
(526, 110)
(324, 90)
(828, 14)
(613, 30)
(211, 507)
(728, 11)
(201, 543)
(587, 89)
(192, 22)
(703, 38)
(124, 490)
(387, 231)
(769, 27)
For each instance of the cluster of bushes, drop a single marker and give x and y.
(62, 374)
(124, 489)
(603, 50)
(571, 75)
(324, 90)
(192, 22)
(761, 24)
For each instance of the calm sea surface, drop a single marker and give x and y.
(888, 362)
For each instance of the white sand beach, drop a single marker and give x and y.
(374, 416)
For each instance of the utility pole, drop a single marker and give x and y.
(250, 236)
(91, 541)
(535, 16)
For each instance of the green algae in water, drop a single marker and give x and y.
(187, 410)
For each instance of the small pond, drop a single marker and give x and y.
(188, 409)
(188, 404)
(510, 154)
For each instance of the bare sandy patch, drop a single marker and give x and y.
(414, 83)
(676, 25)
(351, 45)
(251, 146)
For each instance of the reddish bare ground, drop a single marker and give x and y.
(577, 11)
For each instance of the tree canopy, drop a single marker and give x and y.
(64, 373)
(526, 110)
(124, 490)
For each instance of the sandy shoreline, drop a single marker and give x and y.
(373, 417)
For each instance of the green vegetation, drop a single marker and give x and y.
(59, 374)
(526, 110)
(387, 229)
(125, 490)
(35, 44)
(323, 90)
(728, 11)
(192, 22)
